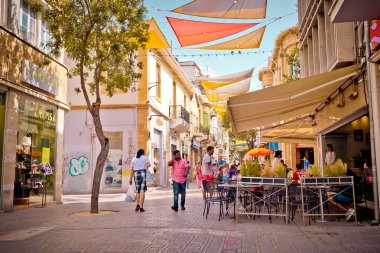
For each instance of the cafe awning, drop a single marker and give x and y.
(286, 101)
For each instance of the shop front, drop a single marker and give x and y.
(32, 106)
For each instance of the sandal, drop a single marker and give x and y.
(137, 208)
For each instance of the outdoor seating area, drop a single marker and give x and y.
(307, 202)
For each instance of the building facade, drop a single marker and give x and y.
(33, 99)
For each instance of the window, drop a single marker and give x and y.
(158, 81)
(44, 37)
(28, 23)
(206, 120)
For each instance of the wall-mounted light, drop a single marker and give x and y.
(341, 102)
(313, 121)
(355, 93)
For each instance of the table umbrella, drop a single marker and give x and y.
(259, 152)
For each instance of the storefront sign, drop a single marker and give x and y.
(46, 155)
(39, 77)
(273, 145)
(375, 35)
(195, 144)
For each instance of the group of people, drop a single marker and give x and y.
(180, 175)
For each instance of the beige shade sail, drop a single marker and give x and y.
(298, 131)
(286, 101)
(235, 88)
(156, 37)
(250, 40)
(220, 108)
(210, 83)
(241, 9)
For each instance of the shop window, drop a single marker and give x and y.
(113, 166)
(2, 121)
(28, 23)
(35, 150)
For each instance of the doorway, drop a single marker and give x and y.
(2, 121)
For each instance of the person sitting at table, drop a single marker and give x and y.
(296, 176)
(224, 173)
(232, 173)
(343, 198)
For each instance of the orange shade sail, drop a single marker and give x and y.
(191, 32)
(259, 152)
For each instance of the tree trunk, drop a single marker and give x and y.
(100, 162)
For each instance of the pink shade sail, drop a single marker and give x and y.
(238, 9)
(191, 32)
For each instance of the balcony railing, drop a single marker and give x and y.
(179, 112)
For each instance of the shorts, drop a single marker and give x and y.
(208, 178)
(140, 180)
(206, 185)
(342, 199)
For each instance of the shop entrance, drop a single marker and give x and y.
(113, 166)
(2, 121)
(159, 172)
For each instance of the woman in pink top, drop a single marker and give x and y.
(198, 169)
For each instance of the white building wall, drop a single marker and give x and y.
(80, 141)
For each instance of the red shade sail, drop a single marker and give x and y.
(191, 32)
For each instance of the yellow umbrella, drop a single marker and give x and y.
(259, 152)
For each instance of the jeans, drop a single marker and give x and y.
(179, 188)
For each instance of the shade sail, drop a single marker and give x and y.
(250, 40)
(235, 88)
(212, 97)
(210, 83)
(156, 37)
(242, 9)
(220, 108)
(190, 32)
(286, 101)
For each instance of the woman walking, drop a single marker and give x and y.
(198, 169)
(139, 166)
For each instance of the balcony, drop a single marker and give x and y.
(179, 119)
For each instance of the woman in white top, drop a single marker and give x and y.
(330, 155)
(277, 159)
(139, 166)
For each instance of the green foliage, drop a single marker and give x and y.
(267, 171)
(280, 171)
(102, 38)
(293, 59)
(336, 169)
(314, 171)
(250, 168)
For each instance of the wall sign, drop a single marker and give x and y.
(39, 77)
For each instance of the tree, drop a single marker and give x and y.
(102, 38)
(293, 60)
(248, 137)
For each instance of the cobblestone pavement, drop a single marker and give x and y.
(61, 228)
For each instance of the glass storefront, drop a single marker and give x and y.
(35, 151)
(113, 166)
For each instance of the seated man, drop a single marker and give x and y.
(343, 199)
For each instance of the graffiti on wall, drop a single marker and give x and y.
(75, 164)
(79, 166)
(131, 151)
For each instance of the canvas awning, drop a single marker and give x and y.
(191, 32)
(242, 9)
(250, 40)
(286, 101)
(210, 83)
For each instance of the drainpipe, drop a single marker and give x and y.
(372, 132)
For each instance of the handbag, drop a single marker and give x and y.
(130, 196)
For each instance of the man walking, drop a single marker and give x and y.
(179, 176)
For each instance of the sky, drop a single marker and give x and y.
(226, 64)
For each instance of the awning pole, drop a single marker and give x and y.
(371, 115)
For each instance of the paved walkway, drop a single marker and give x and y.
(62, 228)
